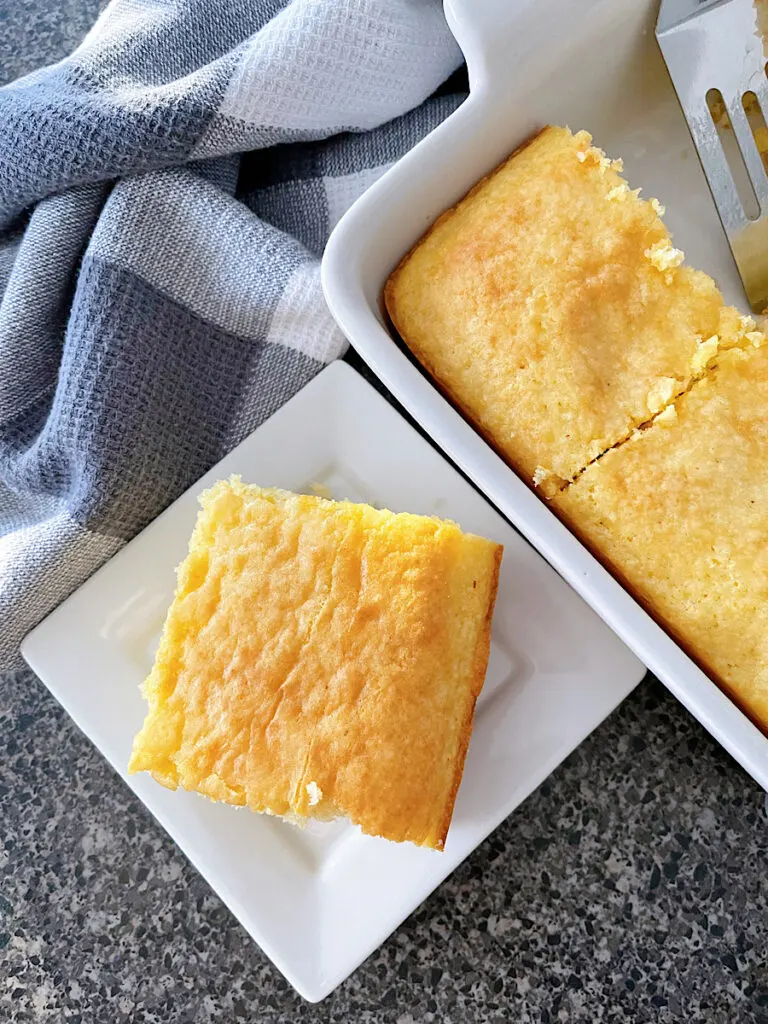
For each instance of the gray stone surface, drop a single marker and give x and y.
(630, 887)
(37, 32)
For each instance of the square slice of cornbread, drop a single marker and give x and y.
(552, 308)
(322, 659)
(680, 514)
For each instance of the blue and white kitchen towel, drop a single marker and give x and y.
(165, 196)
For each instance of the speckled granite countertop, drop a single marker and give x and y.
(631, 887)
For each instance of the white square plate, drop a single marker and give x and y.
(320, 900)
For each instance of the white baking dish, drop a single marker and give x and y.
(589, 64)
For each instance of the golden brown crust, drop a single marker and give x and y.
(321, 659)
(696, 655)
(391, 286)
(455, 399)
(680, 517)
(550, 307)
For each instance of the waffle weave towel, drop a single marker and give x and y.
(165, 196)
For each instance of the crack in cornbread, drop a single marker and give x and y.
(679, 513)
(322, 658)
(668, 412)
(551, 307)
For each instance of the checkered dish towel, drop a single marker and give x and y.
(165, 196)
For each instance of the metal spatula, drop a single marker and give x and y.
(715, 58)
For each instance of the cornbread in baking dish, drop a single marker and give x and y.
(680, 514)
(552, 308)
(321, 659)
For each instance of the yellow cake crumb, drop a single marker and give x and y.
(705, 353)
(547, 482)
(622, 192)
(662, 392)
(596, 156)
(667, 416)
(664, 256)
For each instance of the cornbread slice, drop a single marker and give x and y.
(322, 658)
(551, 307)
(680, 514)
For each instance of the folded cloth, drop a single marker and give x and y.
(160, 290)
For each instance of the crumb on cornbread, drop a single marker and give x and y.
(680, 514)
(552, 308)
(322, 659)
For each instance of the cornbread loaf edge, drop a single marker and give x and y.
(482, 653)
